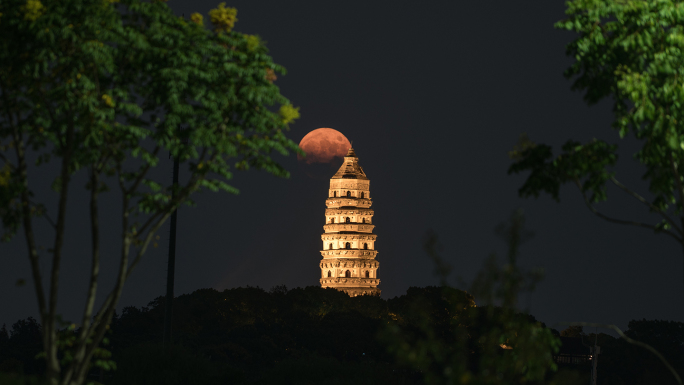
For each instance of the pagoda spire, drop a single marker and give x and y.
(349, 253)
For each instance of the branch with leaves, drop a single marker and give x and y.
(629, 52)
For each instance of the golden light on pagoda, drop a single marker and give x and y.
(349, 253)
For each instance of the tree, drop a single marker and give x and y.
(455, 342)
(102, 87)
(630, 51)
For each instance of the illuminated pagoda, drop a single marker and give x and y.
(349, 251)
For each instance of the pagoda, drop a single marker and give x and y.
(349, 253)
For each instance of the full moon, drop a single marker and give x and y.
(325, 150)
(323, 145)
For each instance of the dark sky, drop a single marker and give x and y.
(433, 94)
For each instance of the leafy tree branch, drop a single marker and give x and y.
(630, 52)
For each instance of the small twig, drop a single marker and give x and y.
(620, 221)
(649, 204)
(4, 158)
(141, 175)
(633, 342)
(52, 223)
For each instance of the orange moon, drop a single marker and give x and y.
(322, 145)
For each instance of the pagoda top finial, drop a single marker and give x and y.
(350, 168)
(351, 153)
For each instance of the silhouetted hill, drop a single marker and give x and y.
(313, 335)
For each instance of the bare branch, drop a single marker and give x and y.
(86, 331)
(4, 159)
(65, 176)
(620, 221)
(109, 304)
(101, 322)
(28, 224)
(647, 203)
(45, 214)
(50, 221)
(148, 239)
(27, 220)
(634, 342)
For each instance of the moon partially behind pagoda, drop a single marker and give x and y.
(323, 145)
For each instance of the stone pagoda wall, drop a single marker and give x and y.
(348, 252)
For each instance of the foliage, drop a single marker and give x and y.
(264, 335)
(248, 335)
(491, 344)
(17, 379)
(223, 18)
(155, 364)
(19, 347)
(630, 52)
(103, 87)
(331, 371)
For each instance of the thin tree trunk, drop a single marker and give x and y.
(102, 319)
(49, 324)
(680, 203)
(86, 330)
(168, 311)
(52, 366)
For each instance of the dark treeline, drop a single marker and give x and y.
(314, 335)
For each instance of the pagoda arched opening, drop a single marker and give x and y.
(347, 245)
(331, 246)
(361, 194)
(348, 195)
(348, 220)
(367, 274)
(365, 246)
(329, 272)
(347, 274)
(334, 194)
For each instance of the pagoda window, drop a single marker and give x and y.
(365, 246)
(331, 246)
(347, 245)
(329, 273)
(361, 194)
(335, 194)
(367, 274)
(364, 220)
(348, 196)
(348, 220)
(347, 273)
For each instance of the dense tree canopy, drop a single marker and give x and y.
(314, 335)
(104, 87)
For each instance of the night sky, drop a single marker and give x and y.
(433, 94)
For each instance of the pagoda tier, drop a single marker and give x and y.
(355, 215)
(356, 227)
(360, 237)
(347, 203)
(349, 253)
(364, 254)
